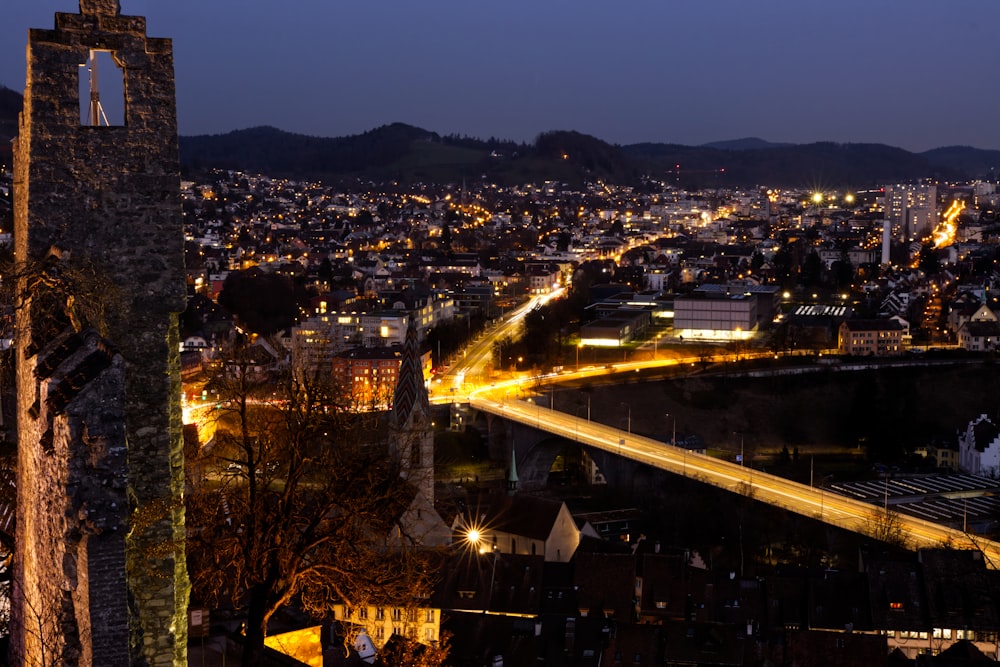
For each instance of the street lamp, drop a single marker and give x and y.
(578, 346)
(475, 538)
(629, 422)
(673, 436)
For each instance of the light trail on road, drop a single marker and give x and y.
(816, 503)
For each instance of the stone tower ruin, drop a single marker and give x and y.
(100, 577)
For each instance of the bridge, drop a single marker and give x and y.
(814, 502)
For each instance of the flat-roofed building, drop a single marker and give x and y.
(613, 331)
(715, 316)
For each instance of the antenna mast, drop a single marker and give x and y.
(96, 113)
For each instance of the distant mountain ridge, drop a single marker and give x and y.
(747, 143)
(401, 152)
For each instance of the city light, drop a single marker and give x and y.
(944, 234)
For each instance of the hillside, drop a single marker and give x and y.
(406, 153)
(819, 165)
(974, 162)
(747, 143)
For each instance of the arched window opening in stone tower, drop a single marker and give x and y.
(102, 90)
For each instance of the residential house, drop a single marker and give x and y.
(384, 328)
(944, 457)
(979, 448)
(927, 604)
(606, 585)
(519, 524)
(968, 308)
(419, 621)
(543, 278)
(878, 337)
(979, 336)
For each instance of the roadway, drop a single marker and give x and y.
(471, 371)
(468, 380)
(817, 503)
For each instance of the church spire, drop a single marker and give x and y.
(411, 393)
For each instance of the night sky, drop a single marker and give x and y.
(918, 74)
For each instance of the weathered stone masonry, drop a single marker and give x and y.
(100, 576)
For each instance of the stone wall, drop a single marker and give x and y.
(71, 571)
(106, 201)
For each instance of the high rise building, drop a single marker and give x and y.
(911, 210)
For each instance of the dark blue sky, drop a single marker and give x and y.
(917, 74)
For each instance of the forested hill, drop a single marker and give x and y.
(404, 153)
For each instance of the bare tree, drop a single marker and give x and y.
(886, 526)
(295, 503)
(410, 653)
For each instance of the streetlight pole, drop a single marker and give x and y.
(629, 422)
(673, 443)
(476, 539)
(493, 576)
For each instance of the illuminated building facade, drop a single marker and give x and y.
(911, 210)
(368, 374)
(384, 328)
(715, 316)
(871, 337)
(422, 624)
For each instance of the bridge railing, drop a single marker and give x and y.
(817, 503)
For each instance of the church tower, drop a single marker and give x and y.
(100, 570)
(411, 420)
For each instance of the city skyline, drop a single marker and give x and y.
(686, 73)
